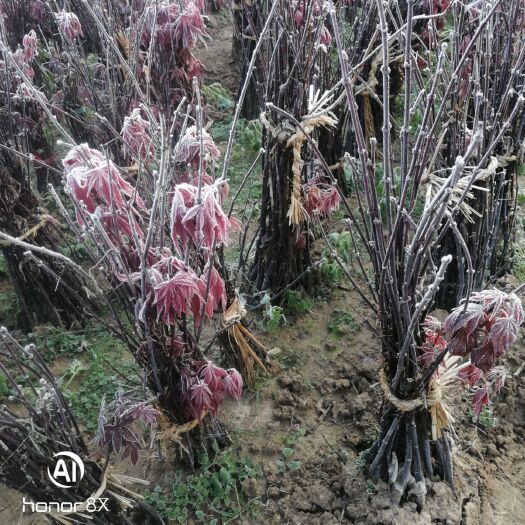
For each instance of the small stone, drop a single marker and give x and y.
(340, 384)
(492, 450)
(292, 382)
(252, 487)
(322, 497)
(330, 346)
(354, 511)
(501, 441)
(270, 470)
(284, 413)
(284, 398)
(360, 403)
(471, 512)
(273, 492)
(211, 22)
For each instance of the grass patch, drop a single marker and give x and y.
(98, 365)
(246, 146)
(106, 368)
(9, 309)
(54, 342)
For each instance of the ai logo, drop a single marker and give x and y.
(69, 470)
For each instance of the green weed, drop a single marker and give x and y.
(213, 495)
(90, 375)
(370, 488)
(341, 244)
(361, 461)
(97, 379)
(9, 309)
(296, 303)
(217, 96)
(273, 316)
(287, 462)
(4, 387)
(487, 419)
(56, 342)
(342, 323)
(3, 266)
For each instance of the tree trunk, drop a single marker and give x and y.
(47, 291)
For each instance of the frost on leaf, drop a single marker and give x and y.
(136, 134)
(173, 296)
(204, 223)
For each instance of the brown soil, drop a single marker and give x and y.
(327, 385)
(332, 393)
(216, 57)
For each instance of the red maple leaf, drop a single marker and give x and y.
(212, 375)
(201, 399)
(233, 384)
(481, 399)
(470, 375)
(173, 297)
(188, 148)
(136, 134)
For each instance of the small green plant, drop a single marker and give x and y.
(4, 388)
(3, 266)
(296, 303)
(341, 244)
(249, 137)
(518, 257)
(295, 436)
(9, 308)
(57, 342)
(75, 368)
(487, 419)
(361, 461)
(75, 250)
(88, 380)
(217, 96)
(290, 360)
(342, 323)
(286, 462)
(273, 316)
(213, 495)
(371, 488)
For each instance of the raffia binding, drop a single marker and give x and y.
(432, 401)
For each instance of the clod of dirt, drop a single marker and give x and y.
(292, 381)
(359, 403)
(284, 398)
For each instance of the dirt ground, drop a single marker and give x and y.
(325, 386)
(332, 393)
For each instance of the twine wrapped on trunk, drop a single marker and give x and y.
(232, 322)
(463, 189)
(296, 212)
(171, 432)
(432, 400)
(44, 219)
